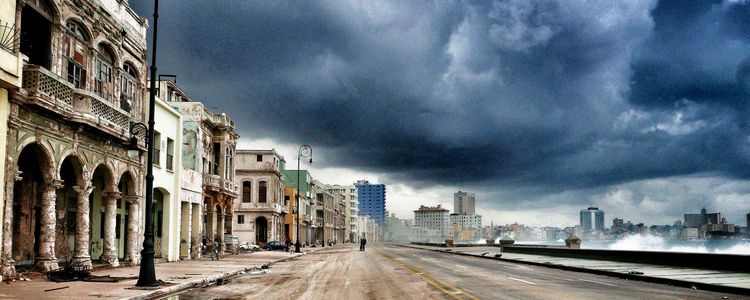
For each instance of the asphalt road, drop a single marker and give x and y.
(392, 272)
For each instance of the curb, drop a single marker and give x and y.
(203, 281)
(660, 280)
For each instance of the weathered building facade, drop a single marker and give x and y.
(71, 191)
(262, 205)
(208, 190)
(323, 202)
(349, 194)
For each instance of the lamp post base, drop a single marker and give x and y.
(297, 247)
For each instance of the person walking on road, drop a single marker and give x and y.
(215, 250)
(362, 243)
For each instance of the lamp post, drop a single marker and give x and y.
(304, 151)
(147, 273)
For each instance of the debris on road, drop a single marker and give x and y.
(55, 289)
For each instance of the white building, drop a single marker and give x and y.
(433, 218)
(467, 221)
(463, 202)
(351, 210)
(167, 171)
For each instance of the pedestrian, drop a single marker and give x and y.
(215, 250)
(362, 243)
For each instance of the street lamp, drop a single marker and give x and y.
(147, 273)
(304, 151)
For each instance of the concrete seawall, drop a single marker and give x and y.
(711, 261)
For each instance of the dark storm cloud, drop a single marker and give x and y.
(519, 93)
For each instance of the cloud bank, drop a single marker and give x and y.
(520, 99)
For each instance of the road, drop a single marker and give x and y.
(392, 272)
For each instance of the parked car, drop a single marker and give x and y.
(276, 245)
(249, 246)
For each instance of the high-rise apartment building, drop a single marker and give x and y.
(592, 220)
(463, 202)
(371, 200)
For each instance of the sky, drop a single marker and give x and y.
(541, 108)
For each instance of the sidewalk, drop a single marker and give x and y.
(721, 281)
(178, 276)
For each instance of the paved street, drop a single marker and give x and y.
(392, 272)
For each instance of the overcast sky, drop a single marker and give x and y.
(542, 108)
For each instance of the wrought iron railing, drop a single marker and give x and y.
(9, 37)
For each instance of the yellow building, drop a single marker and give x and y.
(10, 80)
(290, 220)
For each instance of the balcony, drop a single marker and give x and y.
(48, 90)
(52, 92)
(221, 120)
(264, 207)
(212, 182)
(229, 187)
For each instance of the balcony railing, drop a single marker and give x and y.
(230, 187)
(212, 182)
(56, 94)
(47, 86)
(219, 120)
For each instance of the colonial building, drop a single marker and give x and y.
(207, 189)
(262, 207)
(71, 190)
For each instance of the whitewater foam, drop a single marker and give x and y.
(649, 242)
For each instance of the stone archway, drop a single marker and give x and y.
(67, 206)
(128, 208)
(103, 214)
(33, 210)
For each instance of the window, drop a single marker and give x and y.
(240, 219)
(286, 199)
(170, 154)
(128, 88)
(157, 148)
(247, 192)
(104, 82)
(36, 32)
(259, 157)
(217, 158)
(262, 191)
(75, 52)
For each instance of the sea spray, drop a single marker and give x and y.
(648, 242)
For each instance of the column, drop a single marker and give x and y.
(82, 254)
(195, 231)
(7, 264)
(109, 255)
(47, 260)
(184, 230)
(210, 226)
(220, 229)
(230, 216)
(132, 254)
